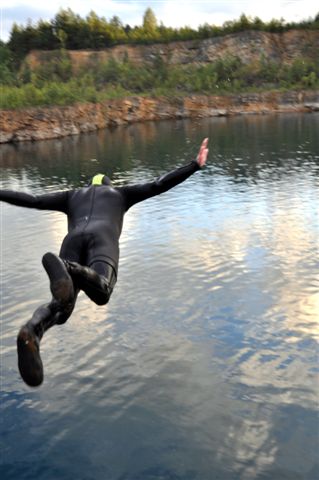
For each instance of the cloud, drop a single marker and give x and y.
(19, 15)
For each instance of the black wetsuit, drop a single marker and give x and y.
(90, 252)
(95, 215)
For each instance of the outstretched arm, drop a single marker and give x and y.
(51, 201)
(137, 193)
(202, 154)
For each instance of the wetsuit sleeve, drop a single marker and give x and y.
(50, 201)
(137, 193)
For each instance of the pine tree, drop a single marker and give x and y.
(149, 21)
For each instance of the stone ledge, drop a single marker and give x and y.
(44, 123)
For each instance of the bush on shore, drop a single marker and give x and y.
(53, 82)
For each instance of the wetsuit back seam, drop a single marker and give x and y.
(91, 209)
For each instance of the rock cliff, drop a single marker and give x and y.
(53, 122)
(249, 46)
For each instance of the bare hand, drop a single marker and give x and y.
(202, 154)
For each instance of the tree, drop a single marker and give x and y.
(73, 26)
(22, 40)
(116, 22)
(6, 65)
(149, 21)
(47, 40)
(243, 22)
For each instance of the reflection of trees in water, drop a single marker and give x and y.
(245, 148)
(265, 146)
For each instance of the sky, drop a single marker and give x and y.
(174, 13)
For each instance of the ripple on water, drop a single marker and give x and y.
(203, 364)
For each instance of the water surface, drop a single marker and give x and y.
(204, 364)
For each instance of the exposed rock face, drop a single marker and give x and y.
(249, 46)
(54, 122)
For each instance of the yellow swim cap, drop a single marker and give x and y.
(98, 179)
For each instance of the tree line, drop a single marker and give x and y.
(69, 30)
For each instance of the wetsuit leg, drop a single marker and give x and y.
(86, 261)
(97, 281)
(102, 292)
(61, 284)
(30, 335)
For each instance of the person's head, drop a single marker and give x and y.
(100, 179)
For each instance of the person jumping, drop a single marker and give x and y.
(89, 255)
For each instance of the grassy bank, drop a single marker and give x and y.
(53, 83)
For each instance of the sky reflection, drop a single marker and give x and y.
(203, 365)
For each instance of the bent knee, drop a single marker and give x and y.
(99, 296)
(101, 299)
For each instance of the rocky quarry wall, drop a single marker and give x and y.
(249, 46)
(53, 122)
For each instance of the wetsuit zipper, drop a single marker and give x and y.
(91, 209)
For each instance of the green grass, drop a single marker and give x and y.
(55, 84)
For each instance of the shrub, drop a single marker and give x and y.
(118, 79)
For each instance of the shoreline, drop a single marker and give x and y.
(44, 123)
